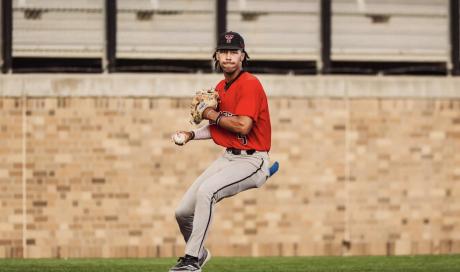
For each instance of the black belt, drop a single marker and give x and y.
(235, 151)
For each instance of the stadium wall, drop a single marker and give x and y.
(369, 166)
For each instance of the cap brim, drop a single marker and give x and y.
(231, 47)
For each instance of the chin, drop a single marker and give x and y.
(229, 70)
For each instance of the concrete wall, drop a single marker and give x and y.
(369, 165)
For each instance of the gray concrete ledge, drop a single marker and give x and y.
(185, 85)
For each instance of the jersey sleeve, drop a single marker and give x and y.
(249, 99)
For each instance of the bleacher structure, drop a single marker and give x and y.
(390, 30)
(277, 33)
(56, 28)
(278, 30)
(177, 29)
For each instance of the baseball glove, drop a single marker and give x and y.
(203, 99)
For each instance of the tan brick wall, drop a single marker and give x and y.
(103, 179)
(11, 212)
(405, 176)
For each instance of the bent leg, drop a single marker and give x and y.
(186, 208)
(237, 176)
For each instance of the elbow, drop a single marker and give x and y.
(242, 125)
(243, 130)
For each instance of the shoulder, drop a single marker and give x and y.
(251, 86)
(252, 80)
(220, 84)
(249, 77)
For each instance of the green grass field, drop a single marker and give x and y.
(430, 263)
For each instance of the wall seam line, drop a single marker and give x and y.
(24, 172)
(347, 238)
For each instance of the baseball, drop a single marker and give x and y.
(179, 138)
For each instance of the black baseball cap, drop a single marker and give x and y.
(230, 40)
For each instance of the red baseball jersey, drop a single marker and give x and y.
(244, 96)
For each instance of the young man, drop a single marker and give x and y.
(241, 124)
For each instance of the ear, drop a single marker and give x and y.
(242, 56)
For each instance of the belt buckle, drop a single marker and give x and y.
(234, 151)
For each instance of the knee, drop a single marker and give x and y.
(182, 212)
(204, 193)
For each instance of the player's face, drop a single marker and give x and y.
(230, 60)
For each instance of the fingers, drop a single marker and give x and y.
(179, 138)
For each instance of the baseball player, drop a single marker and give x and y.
(240, 122)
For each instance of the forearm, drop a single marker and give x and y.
(202, 133)
(233, 124)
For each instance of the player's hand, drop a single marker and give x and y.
(181, 137)
(203, 100)
(209, 112)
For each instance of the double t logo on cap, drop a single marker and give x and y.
(229, 37)
(231, 41)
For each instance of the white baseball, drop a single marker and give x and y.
(179, 138)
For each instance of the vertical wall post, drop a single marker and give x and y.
(7, 34)
(111, 34)
(221, 17)
(454, 18)
(326, 36)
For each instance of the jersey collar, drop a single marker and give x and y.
(228, 84)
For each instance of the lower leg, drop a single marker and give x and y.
(201, 223)
(185, 222)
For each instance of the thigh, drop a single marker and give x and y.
(189, 198)
(238, 175)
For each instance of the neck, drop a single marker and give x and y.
(231, 76)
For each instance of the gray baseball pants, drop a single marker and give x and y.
(227, 176)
